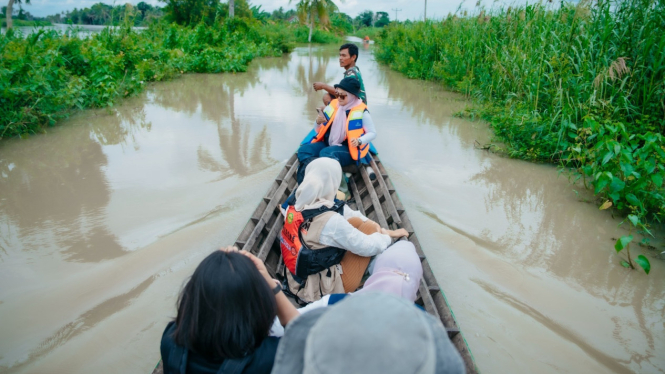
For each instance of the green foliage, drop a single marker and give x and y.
(21, 23)
(341, 23)
(46, 74)
(103, 14)
(372, 32)
(185, 12)
(364, 19)
(318, 35)
(581, 85)
(381, 19)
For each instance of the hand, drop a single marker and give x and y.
(318, 86)
(395, 233)
(320, 119)
(260, 266)
(355, 142)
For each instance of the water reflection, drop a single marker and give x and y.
(54, 192)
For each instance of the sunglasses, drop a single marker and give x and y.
(339, 95)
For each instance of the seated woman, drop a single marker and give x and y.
(397, 271)
(225, 313)
(322, 251)
(344, 130)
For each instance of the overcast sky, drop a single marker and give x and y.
(411, 9)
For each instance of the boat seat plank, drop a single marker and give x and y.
(384, 188)
(356, 196)
(375, 199)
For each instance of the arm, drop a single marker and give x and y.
(322, 86)
(370, 130)
(339, 233)
(348, 213)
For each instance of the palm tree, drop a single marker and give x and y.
(307, 9)
(9, 11)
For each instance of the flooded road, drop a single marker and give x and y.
(104, 217)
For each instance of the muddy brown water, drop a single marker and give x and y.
(104, 217)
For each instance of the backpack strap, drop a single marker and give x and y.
(311, 213)
(234, 365)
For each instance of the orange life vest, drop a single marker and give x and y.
(298, 258)
(354, 127)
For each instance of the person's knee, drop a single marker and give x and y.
(330, 152)
(355, 221)
(306, 151)
(369, 227)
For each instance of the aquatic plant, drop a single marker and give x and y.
(44, 75)
(581, 85)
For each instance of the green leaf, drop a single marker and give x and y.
(633, 219)
(633, 200)
(644, 263)
(601, 185)
(608, 157)
(622, 242)
(657, 180)
(572, 135)
(617, 185)
(625, 264)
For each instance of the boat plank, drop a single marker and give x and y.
(375, 199)
(384, 189)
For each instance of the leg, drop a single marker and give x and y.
(339, 153)
(354, 266)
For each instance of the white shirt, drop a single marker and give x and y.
(338, 232)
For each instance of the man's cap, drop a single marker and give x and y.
(367, 333)
(350, 85)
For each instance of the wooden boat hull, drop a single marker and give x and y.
(378, 201)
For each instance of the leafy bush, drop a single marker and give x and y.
(46, 74)
(581, 85)
(318, 36)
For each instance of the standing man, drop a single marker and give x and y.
(348, 56)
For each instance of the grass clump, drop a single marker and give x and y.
(582, 85)
(46, 74)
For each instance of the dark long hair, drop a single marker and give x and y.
(226, 309)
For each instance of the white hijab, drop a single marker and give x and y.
(319, 187)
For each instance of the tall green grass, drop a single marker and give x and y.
(580, 85)
(46, 74)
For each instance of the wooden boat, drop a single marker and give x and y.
(378, 201)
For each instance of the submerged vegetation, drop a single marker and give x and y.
(579, 85)
(47, 73)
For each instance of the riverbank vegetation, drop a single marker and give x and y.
(581, 85)
(46, 74)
